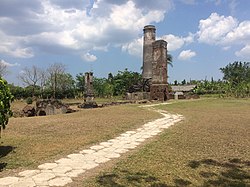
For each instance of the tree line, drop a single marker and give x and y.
(55, 82)
(235, 83)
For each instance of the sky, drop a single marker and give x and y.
(106, 36)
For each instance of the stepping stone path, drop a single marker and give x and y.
(63, 170)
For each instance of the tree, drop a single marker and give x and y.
(126, 81)
(3, 69)
(98, 85)
(5, 99)
(236, 72)
(80, 83)
(237, 76)
(170, 60)
(65, 85)
(30, 77)
(53, 73)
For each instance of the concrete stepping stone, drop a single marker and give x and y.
(131, 132)
(75, 172)
(61, 169)
(101, 160)
(121, 150)
(106, 144)
(90, 166)
(96, 147)
(29, 173)
(28, 182)
(43, 178)
(140, 140)
(64, 161)
(112, 155)
(129, 146)
(87, 151)
(8, 181)
(47, 166)
(76, 156)
(60, 181)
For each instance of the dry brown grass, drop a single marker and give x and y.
(28, 142)
(211, 147)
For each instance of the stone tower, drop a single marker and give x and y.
(89, 90)
(159, 85)
(148, 40)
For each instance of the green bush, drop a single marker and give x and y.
(5, 98)
(29, 100)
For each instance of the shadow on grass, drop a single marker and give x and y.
(233, 172)
(4, 151)
(125, 178)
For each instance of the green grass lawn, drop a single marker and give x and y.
(211, 147)
(28, 142)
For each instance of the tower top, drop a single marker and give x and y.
(149, 27)
(160, 43)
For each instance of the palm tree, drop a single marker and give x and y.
(170, 60)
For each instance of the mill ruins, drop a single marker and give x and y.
(154, 73)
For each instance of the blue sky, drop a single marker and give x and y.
(106, 35)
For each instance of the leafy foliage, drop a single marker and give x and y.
(5, 99)
(237, 76)
(29, 100)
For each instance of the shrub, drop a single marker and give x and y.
(29, 100)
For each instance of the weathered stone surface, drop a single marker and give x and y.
(96, 147)
(47, 166)
(87, 151)
(60, 181)
(8, 181)
(75, 173)
(64, 161)
(24, 183)
(76, 156)
(106, 144)
(28, 173)
(121, 150)
(61, 169)
(112, 155)
(42, 178)
(29, 111)
(101, 160)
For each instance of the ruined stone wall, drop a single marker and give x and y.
(89, 89)
(159, 86)
(149, 38)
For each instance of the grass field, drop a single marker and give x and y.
(28, 142)
(211, 147)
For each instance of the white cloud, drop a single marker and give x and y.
(89, 57)
(8, 64)
(186, 55)
(14, 46)
(134, 48)
(244, 52)
(56, 25)
(225, 32)
(226, 48)
(176, 42)
(239, 35)
(213, 29)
